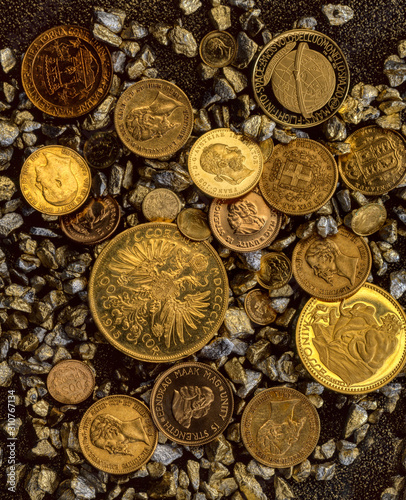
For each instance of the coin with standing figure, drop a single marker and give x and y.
(70, 381)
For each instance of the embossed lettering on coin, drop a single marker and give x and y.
(275, 270)
(257, 305)
(161, 205)
(368, 219)
(192, 223)
(218, 49)
(101, 150)
(70, 381)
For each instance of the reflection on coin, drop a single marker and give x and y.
(275, 271)
(258, 307)
(156, 295)
(153, 118)
(331, 268)
(70, 381)
(299, 177)
(191, 403)
(192, 223)
(266, 148)
(161, 205)
(101, 150)
(368, 219)
(280, 427)
(356, 345)
(300, 78)
(66, 72)
(55, 180)
(217, 49)
(117, 434)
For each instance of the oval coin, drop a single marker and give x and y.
(70, 381)
(217, 49)
(368, 219)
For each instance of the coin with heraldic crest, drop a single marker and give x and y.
(70, 381)
(217, 49)
(257, 305)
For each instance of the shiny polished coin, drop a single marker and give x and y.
(70, 381)
(257, 305)
(356, 345)
(299, 178)
(300, 78)
(55, 180)
(332, 268)
(101, 150)
(244, 224)
(266, 148)
(66, 72)
(191, 403)
(192, 223)
(161, 205)
(280, 427)
(377, 162)
(368, 219)
(275, 271)
(153, 118)
(117, 434)
(225, 165)
(156, 295)
(218, 49)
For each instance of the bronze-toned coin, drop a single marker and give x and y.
(280, 427)
(192, 223)
(368, 219)
(377, 162)
(244, 224)
(356, 345)
(300, 78)
(153, 118)
(117, 434)
(225, 165)
(218, 49)
(275, 271)
(191, 403)
(161, 205)
(66, 72)
(257, 305)
(332, 268)
(299, 178)
(94, 222)
(70, 381)
(266, 148)
(156, 295)
(55, 180)
(101, 150)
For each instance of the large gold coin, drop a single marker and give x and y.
(55, 180)
(225, 165)
(356, 345)
(156, 295)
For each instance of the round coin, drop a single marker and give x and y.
(368, 219)
(275, 271)
(156, 295)
(153, 118)
(331, 268)
(191, 403)
(55, 180)
(66, 72)
(257, 305)
(192, 223)
(356, 345)
(299, 177)
(217, 49)
(101, 150)
(161, 205)
(280, 427)
(70, 382)
(117, 434)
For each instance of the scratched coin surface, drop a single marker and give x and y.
(368, 219)
(280, 427)
(156, 295)
(218, 49)
(55, 180)
(117, 434)
(161, 205)
(153, 118)
(356, 345)
(101, 150)
(275, 270)
(299, 177)
(332, 268)
(70, 381)
(192, 223)
(257, 305)
(191, 403)
(66, 72)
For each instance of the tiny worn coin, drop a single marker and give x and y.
(280, 427)
(70, 381)
(161, 205)
(266, 148)
(101, 150)
(258, 307)
(217, 49)
(192, 223)
(55, 180)
(117, 434)
(191, 403)
(275, 270)
(368, 219)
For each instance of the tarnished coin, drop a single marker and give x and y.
(117, 434)
(356, 345)
(266, 148)
(368, 219)
(332, 268)
(257, 305)
(153, 118)
(280, 427)
(377, 162)
(217, 49)
(156, 295)
(299, 178)
(300, 78)
(275, 270)
(101, 150)
(55, 180)
(66, 72)
(70, 381)
(161, 205)
(192, 223)
(191, 403)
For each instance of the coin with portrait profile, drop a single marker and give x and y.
(257, 305)
(161, 205)
(192, 223)
(218, 49)
(275, 271)
(70, 381)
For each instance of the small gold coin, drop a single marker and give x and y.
(225, 165)
(257, 305)
(70, 381)
(55, 180)
(161, 205)
(275, 270)
(266, 148)
(280, 427)
(117, 434)
(354, 346)
(217, 49)
(192, 223)
(368, 219)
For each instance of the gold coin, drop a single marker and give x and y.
(275, 270)
(55, 180)
(161, 205)
(368, 219)
(217, 49)
(117, 434)
(70, 381)
(266, 148)
(354, 346)
(257, 305)
(156, 295)
(377, 162)
(225, 165)
(280, 427)
(192, 223)
(153, 118)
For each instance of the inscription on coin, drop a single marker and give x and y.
(70, 381)
(161, 205)
(275, 270)
(217, 49)
(101, 150)
(192, 223)
(258, 307)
